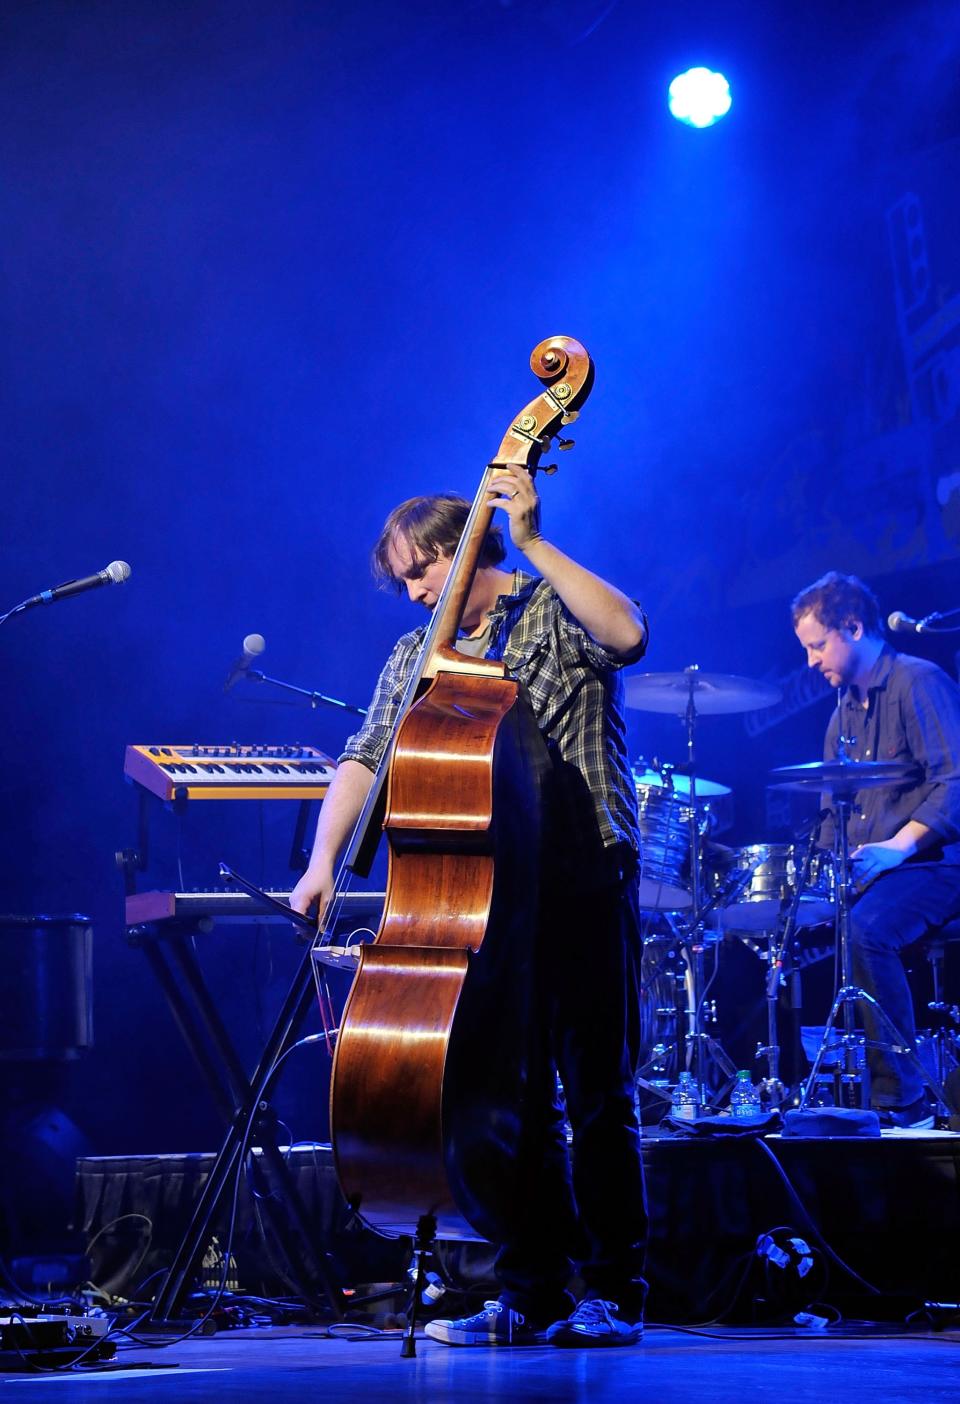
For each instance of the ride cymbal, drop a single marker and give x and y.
(842, 777)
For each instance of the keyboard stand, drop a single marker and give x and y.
(242, 1101)
(245, 1106)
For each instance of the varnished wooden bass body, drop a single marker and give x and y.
(430, 1070)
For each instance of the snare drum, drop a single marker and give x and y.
(773, 870)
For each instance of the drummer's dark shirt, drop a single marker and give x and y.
(912, 714)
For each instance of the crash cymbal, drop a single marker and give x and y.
(706, 789)
(713, 693)
(842, 777)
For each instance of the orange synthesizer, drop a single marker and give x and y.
(177, 773)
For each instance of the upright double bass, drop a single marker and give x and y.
(432, 1057)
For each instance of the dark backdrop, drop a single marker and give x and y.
(269, 268)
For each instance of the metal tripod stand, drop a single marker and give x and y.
(773, 1090)
(703, 1045)
(850, 994)
(688, 695)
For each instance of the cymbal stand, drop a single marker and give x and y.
(772, 1089)
(696, 882)
(694, 932)
(849, 994)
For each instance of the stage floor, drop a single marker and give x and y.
(890, 1208)
(724, 1367)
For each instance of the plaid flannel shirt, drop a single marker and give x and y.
(576, 693)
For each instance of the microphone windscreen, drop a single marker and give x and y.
(118, 572)
(253, 645)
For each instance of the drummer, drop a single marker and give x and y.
(905, 841)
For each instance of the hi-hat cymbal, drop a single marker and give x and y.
(713, 693)
(843, 778)
(680, 784)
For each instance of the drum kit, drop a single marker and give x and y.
(697, 896)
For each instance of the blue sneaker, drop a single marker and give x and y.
(495, 1325)
(594, 1322)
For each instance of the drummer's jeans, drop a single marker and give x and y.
(594, 1217)
(898, 908)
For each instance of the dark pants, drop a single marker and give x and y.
(594, 1217)
(897, 909)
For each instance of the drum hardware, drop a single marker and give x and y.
(939, 1045)
(703, 1011)
(705, 1045)
(777, 889)
(807, 985)
(664, 822)
(772, 879)
(688, 694)
(696, 1035)
(773, 1092)
(663, 1000)
(654, 1075)
(669, 1021)
(664, 814)
(734, 894)
(842, 779)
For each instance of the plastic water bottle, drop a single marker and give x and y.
(744, 1097)
(686, 1098)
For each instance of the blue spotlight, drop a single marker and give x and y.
(699, 97)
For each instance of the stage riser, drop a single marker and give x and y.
(890, 1208)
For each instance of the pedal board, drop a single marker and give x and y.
(29, 1337)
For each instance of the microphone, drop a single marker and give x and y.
(900, 623)
(114, 574)
(253, 646)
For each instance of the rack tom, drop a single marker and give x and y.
(664, 821)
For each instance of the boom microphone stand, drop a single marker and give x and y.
(315, 699)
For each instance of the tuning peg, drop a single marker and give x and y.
(570, 418)
(564, 444)
(549, 469)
